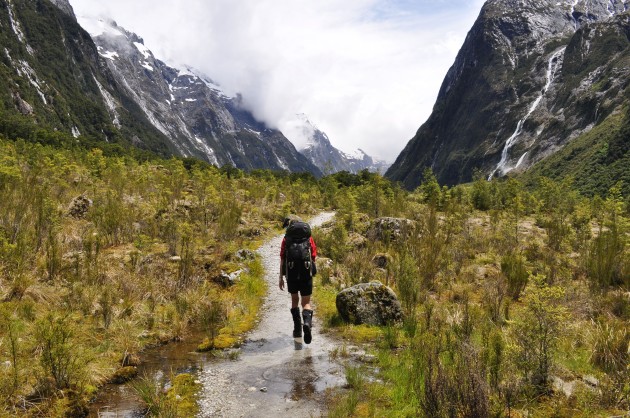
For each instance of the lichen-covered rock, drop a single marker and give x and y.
(245, 254)
(79, 206)
(227, 279)
(390, 229)
(381, 260)
(369, 303)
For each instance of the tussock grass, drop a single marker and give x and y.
(139, 266)
(505, 291)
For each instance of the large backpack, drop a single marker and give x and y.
(297, 242)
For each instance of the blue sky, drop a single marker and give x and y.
(366, 72)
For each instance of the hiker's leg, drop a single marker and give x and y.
(307, 316)
(297, 322)
(306, 302)
(295, 300)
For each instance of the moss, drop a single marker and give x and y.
(362, 333)
(221, 342)
(183, 395)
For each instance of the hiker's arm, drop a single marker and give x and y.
(280, 280)
(313, 249)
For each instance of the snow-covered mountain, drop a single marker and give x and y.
(189, 108)
(319, 150)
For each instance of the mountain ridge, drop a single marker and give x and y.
(530, 77)
(190, 109)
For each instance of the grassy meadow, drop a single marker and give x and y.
(516, 299)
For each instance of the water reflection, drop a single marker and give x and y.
(303, 377)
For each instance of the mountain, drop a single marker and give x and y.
(532, 77)
(324, 155)
(52, 77)
(190, 109)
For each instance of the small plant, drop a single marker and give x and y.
(61, 356)
(152, 395)
(513, 267)
(611, 346)
(211, 317)
(537, 331)
(354, 377)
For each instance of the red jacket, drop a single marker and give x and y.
(313, 248)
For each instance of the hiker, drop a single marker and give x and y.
(297, 263)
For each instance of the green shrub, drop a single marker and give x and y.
(513, 267)
(62, 358)
(537, 331)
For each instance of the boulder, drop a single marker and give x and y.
(356, 240)
(79, 206)
(390, 229)
(369, 303)
(381, 260)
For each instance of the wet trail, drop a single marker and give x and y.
(274, 376)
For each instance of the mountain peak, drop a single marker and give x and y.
(316, 146)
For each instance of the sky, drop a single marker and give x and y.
(365, 72)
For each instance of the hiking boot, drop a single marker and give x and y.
(297, 323)
(307, 314)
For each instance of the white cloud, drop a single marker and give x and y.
(367, 72)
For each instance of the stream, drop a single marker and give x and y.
(272, 376)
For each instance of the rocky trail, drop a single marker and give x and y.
(271, 376)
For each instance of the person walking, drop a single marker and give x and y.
(297, 262)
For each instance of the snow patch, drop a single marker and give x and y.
(100, 26)
(110, 55)
(143, 50)
(198, 75)
(191, 100)
(75, 132)
(357, 154)
(146, 65)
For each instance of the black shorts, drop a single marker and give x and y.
(299, 280)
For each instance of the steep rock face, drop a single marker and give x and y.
(329, 159)
(66, 7)
(531, 76)
(51, 72)
(190, 109)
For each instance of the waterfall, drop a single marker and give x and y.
(575, 21)
(502, 167)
